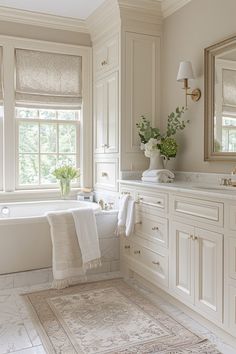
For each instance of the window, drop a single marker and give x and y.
(45, 114)
(46, 138)
(48, 99)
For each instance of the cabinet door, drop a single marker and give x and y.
(99, 116)
(182, 268)
(209, 272)
(111, 127)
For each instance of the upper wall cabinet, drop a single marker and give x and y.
(220, 101)
(106, 124)
(106, 56)
(141, 84)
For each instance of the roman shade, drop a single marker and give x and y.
(48, 79)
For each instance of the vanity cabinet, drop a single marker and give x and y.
(185, 244)
(106, 115)
(197, 268)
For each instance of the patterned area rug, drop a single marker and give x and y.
(108, 317)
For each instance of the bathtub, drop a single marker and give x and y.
(25, 242)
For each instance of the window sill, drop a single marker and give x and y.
(34, 195)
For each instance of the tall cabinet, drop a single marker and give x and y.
(126, 70)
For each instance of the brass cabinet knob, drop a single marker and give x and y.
(155, 228)
(127, 247)
(156, 263)
(137, 252)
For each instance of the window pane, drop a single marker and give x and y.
(47, 166)
(67, 138)
(28, 137)
(26, 113)
(48, 138)
(47, 114)
(67, 160)
(28, 169)
(67, 115)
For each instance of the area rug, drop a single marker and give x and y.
(108, 317)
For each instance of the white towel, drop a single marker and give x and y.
(86, 230)
(156, 173)
(126, 216)
(66, 254)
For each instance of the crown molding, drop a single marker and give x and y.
(139, 10)
(43, 20)
(171, 6)
(104, 20)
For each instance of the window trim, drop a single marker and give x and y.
(9, 45)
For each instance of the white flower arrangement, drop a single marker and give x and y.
(151, 147)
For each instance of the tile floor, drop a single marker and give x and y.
(17, 333)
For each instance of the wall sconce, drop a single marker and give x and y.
(185, 73)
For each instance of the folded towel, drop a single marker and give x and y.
(66, 254)
(155, 173)
(86, 230)
(126, 216)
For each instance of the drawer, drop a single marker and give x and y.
(155, 262)
(106, 56)
(152, 228)
(150, 202)
(232, 217)
(197, 209)
(105, 174)
(232, 257)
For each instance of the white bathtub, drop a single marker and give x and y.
(25, 242)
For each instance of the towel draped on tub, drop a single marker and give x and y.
(75, 245)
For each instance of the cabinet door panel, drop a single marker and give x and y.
(209, 272)
(183, 261)
(99, 116)
(112, 114)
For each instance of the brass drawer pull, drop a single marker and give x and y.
(138, 223)
(125, 193)
(104, 174)
(155, 228)
(127, 247)
(137, 252)
(156, 263)
(159, 202)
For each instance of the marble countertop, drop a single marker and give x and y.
(203, 189)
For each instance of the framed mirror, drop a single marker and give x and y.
(220, 101)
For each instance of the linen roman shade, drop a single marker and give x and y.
(1, 77)
(48, 79)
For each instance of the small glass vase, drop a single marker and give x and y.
(156, 161)
(65, 188)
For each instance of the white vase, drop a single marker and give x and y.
(156, 161)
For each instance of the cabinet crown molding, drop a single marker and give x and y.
(171, 6)
(43, 20)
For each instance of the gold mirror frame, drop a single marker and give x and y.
(209, 101)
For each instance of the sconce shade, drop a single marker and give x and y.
(185, 71)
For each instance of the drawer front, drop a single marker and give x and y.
(232, 217)
(232, 257)
(154, 229)
(106, 56)
(198, 209)
(105, 174)
(156, 262)
(150, 202)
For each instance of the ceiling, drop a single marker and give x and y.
(68, 8)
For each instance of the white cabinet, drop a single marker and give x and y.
(197, 268)
(106, 113)
(106, 56)
(182, 252)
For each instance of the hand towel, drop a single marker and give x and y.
(123, 205)
(66, 254)
(126, 216)
(155, 173)
(86, 230)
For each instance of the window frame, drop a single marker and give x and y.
(9, 45)
(76, 123)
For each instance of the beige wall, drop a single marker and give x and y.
(185, 35)
(43, 33)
